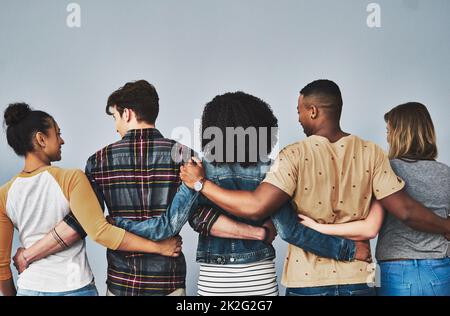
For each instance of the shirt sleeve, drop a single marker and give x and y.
(170, 222)
(86, 208)
(294, 233)
(203, 219)
(6, 237)
(385, 182)
(70, 219)
(284, 172)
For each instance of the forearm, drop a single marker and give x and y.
(291, 231)
(254, 205)
(414, 214)
(62, 237)
(133, 243)
(357, 231)
(225, 227)
(7, 288)
(424, 220)
(238, 203)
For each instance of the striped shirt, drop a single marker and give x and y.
(253, 279)
(137, 178)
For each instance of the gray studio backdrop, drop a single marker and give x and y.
(195, 49)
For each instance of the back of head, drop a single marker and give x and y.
(22, 125)
(243, 120)
(411, 132)
(326, 95)
(139, 96)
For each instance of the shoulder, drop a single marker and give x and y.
(445, 168)
(295, 149)
(101, 152)
(368, 145)
(4, 189)
(373, 151)
(62, 175)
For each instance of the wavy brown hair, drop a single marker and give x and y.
(411, 132)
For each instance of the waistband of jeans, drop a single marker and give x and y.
(414, 262)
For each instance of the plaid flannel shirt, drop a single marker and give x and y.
(137, 178)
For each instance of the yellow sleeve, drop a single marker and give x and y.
(385, 181)
(86, 208)
(6, 238)
(284, 172)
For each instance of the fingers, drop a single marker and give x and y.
(197, 161)
(302, 217)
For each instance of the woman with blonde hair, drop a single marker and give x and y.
(412, 263)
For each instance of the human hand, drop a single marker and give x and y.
(171, 247)
(192, 172)
(271, 232)
(363, 252)
(307, 221)
(20, 262)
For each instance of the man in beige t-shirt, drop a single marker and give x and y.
(332, 177)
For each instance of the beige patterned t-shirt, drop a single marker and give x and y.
(331, 183)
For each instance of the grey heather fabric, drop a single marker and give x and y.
(429, 183)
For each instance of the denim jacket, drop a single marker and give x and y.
(214, 250)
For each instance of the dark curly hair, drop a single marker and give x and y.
(22, 124)
(239, 110)
(139, 96)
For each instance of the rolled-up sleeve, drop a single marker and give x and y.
(203, 219)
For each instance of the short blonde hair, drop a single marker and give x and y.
(412, 133)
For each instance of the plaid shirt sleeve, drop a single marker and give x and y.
(75, 225)
(203, 219)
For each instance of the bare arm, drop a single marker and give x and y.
(226, 227)
(86, 208)
(359, 230)
(212, 221)
(255, 205)
(7, 288)
(414, 214)
(61, 237)
(64, 236)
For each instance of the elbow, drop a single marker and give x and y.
(97, 239)
(371, 234)
(404, 216)
(256, 214)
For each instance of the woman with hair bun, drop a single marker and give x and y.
(37, 202)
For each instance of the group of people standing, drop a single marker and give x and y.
(327, 196)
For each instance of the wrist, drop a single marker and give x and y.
(199, 183)
(27, 257)
(266, 234)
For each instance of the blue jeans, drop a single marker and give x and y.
(88, 290)
(415, 278)
(333, 290)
